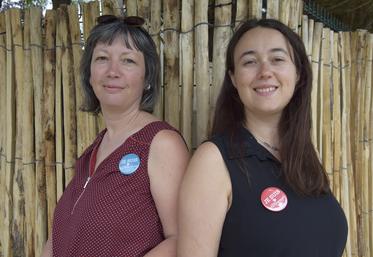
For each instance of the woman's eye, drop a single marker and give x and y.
(248, 62)
(128, 60)
(278, 60)
(101, 58)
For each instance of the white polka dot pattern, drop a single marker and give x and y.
(115, 214)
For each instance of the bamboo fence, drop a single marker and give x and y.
(43, 131)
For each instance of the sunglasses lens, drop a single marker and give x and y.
(104, 19)
(134, 21)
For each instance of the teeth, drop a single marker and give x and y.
(265, 90)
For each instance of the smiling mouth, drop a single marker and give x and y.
(108, 86)
(113, 89)
(265, 89)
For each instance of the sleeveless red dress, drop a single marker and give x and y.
(114, 213)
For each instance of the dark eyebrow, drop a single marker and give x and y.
(249, 52)
(279, 50)
(100, 49)
(246, 53)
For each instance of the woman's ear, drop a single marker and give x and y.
(297, 78)
(231, 75)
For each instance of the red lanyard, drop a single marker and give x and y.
(92, 161)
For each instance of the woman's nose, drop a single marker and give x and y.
(265, 71)
(113, 69)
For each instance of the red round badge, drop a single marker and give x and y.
(274, 199)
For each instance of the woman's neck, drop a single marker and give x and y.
(122, 123)
(264, 129)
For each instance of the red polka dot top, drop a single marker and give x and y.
(113, 214)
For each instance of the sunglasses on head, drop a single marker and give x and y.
(132, 21)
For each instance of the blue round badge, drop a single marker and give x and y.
(129, 164)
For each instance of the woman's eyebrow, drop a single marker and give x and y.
(248, 52)
(273, 50)
(279, 49)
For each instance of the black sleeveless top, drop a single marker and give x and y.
(307, 227)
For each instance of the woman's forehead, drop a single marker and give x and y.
(122, 38)
(262, 40)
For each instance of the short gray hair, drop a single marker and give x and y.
(106, 33)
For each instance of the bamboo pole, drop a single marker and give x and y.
(353, 99)
(300, 14)
(311, 25)
(284, 11)
(360, 154)
(143, 10)
(295, 12)
(368, 124)
(315, 59)
(346, 75)
(370, 128)
(37, 72)
(68, 92)
(273, 8)
(58, 111)
(305, 34)
(7, 243)
(364, 142)
(345, 190)
(320, 98)
(325, 103)
(3, 81)
(81, 117)
(255, 9)
(336, 117)
(154, 30)
(241, 12)
(201, 70)
(90, 12)
(171, 19)
(49, 115)
(186, 61)
(18, 188)
(28, 154)
(359, 93)
(222, 34)
(109, 7)
(131, 7)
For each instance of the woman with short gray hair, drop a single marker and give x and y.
(123, 199)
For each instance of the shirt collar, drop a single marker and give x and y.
(245, 145)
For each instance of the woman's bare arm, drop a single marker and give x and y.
(204, 201)
(168, 159)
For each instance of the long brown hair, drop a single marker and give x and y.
(301, 167)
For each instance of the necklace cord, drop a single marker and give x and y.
(274, 148)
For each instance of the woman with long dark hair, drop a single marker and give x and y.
(257, 187)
